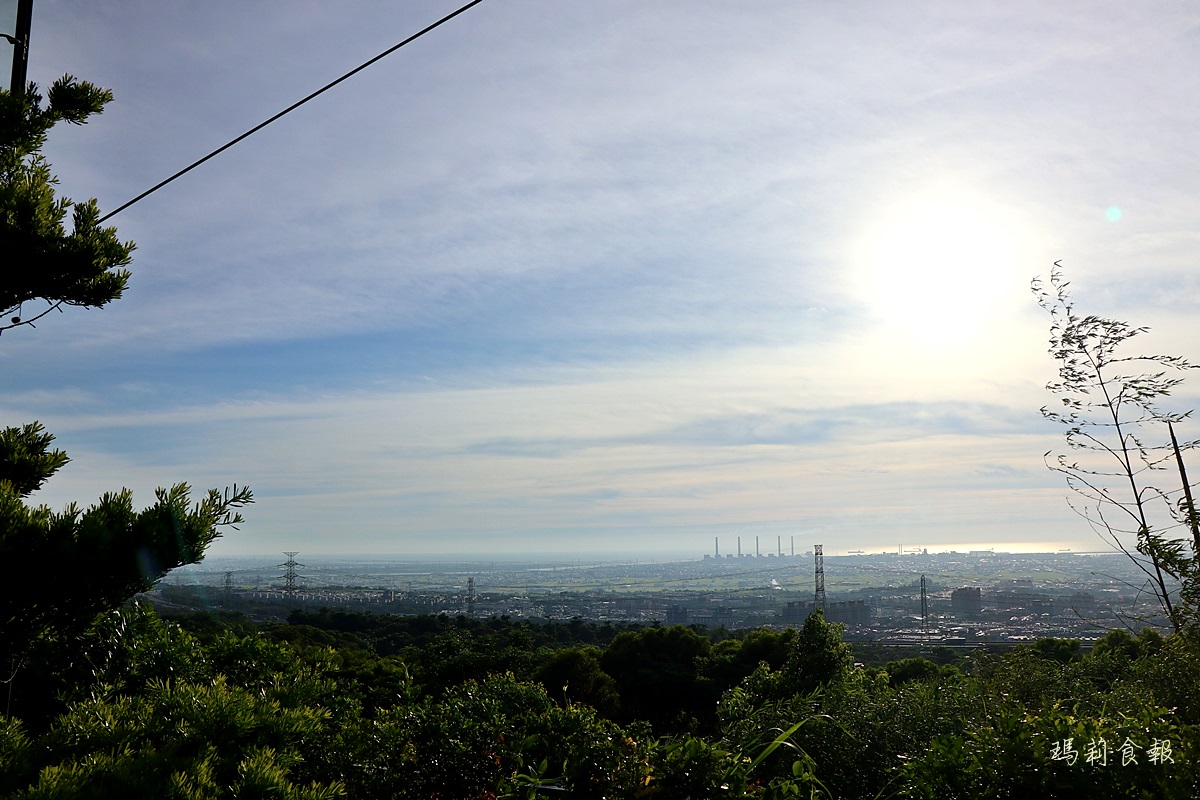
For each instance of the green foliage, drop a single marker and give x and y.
(208, 625)
(26, 460)
(1117, 643)
(383, 682)
(181, 740)
(1030, 700)
(82, 267)
(494, 733)
(689, 768)
(102, 555)
(1056, 753)
(733, 660)
(149, 709)
(16, 755)
(170, 716)
(818, 656)
(657, 672)
(127, 650)
(1169, 677)
(575, 675)
(1063, 651)
(763, 645)
(860, 728)
(911, 669)
(1025, 677)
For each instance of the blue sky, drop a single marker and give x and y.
(625, 276)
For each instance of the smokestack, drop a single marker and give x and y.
(717, 546)
(756, 553)
(739, 547)
(778, 545)
(793, 547)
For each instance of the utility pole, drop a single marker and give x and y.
(17, 17)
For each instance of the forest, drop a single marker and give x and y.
(340, 704)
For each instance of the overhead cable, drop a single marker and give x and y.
(289, 109)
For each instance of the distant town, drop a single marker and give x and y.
(953, 599)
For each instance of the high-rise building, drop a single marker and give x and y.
(967, 600)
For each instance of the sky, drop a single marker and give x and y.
(611, 276)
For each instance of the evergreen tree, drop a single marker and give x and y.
(59, 570)
(818, 656)
(46, 262)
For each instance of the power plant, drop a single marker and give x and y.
(779, 553)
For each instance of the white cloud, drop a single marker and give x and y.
(627, 233)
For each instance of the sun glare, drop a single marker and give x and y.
(938, 270)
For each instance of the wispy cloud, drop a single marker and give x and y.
(597, 270)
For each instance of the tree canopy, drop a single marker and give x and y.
(58, 570)
(51, 266)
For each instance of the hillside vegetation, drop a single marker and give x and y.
(339, 704)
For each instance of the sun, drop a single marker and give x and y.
(939, 268)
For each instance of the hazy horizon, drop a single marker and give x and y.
(611, 556)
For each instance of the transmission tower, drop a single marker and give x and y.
(819, 560)
(290, 586)
(470, 597)
(228, 584)
(924, 611)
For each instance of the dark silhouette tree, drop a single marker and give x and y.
(58, 571)
(574, 675)
(657, 672)
(911, 669)
(47, 265)
(1119, 442)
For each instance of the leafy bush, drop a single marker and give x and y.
(174, 740)
(490, 734)
(1058, 753)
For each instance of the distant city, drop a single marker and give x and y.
(954, 599)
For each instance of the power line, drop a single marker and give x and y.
(289, 109)
(290, 586)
